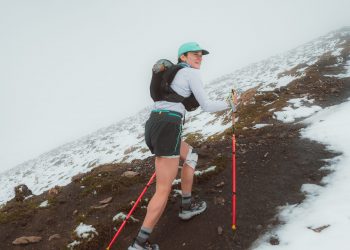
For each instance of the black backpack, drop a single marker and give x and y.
(163, 73)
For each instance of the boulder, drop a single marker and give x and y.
(21, 192)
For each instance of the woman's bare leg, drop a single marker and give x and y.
(187, 172)
(166, 171)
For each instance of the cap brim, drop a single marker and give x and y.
(205, 52)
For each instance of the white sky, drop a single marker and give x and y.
(68, 68)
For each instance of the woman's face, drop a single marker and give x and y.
(194, 59)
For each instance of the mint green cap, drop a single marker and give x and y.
(191, 46)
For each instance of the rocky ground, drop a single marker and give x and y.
(273, 162)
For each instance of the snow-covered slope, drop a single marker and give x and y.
(124, 141)
(322, 220)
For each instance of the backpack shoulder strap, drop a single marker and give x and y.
(171, 72)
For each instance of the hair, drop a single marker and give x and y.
(179, 59)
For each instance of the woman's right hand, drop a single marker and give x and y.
(232, 100)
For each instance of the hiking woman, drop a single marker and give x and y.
(163, 137)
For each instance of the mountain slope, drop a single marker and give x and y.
(124, 142)
(273, 162)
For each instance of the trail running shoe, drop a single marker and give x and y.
(146, 246)
(195, 209)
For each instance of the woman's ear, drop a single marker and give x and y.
(183, 58)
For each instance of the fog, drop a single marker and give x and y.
(68, 68)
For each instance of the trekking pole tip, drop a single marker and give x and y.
(234, 227)
(107, 248)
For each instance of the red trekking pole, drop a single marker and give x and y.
(131, 211)
(234, 225)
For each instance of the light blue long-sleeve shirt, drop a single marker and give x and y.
(186, 82)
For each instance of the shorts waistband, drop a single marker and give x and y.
(168, 112)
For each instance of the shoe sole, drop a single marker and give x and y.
(133, 248)
(190, 216)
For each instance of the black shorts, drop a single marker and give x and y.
(163, 132)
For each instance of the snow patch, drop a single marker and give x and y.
(44, 204)
(85, 231)
(346, 74)
(197, 173)
(201, 172)
(122, 216)
(261, 125)
(298, 102)
(288, 114)
(73, 244)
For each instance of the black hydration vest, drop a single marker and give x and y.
(163, 73)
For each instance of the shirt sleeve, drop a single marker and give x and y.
(197, 88)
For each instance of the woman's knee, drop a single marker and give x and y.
(163, 190)
(188, 155)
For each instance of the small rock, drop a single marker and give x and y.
(243, 151)
(100, 207)
(259, 227)
(274, 240)
(21, 192)
(211, 191)
(265, 155)
(107, 200)
(54, 236)
(221, 184)
(220, 200)
(24, 240)
(130, 174)
(220, 230)
(319, 229)
(75, 212)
